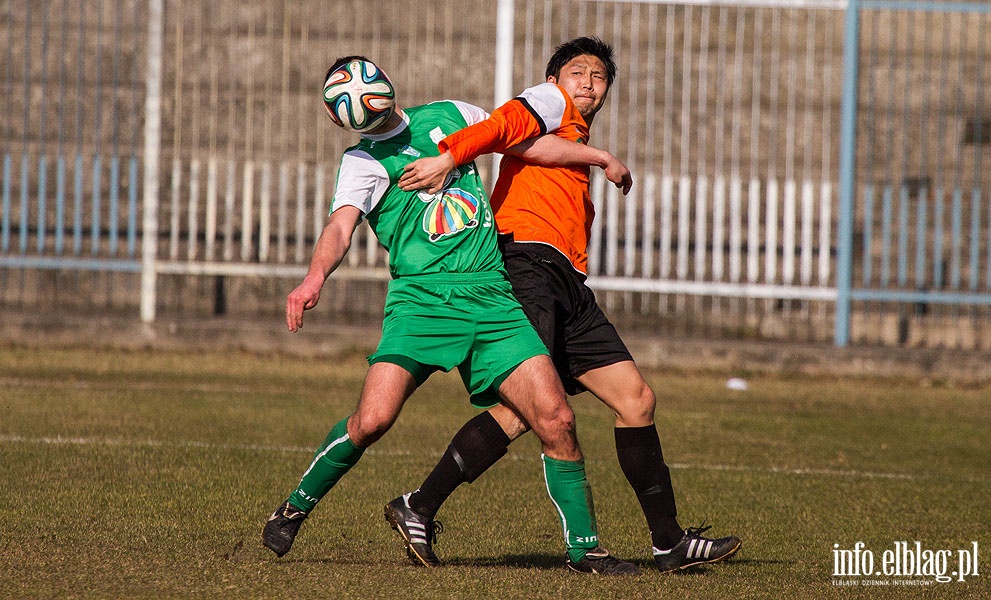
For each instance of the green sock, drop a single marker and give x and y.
(572, 496)
(333, 459)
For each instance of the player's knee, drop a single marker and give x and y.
(558, 421)
(637, 409)
(365, 428)
(557, 433)
(646, 402)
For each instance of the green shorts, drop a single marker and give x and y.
(469, 321)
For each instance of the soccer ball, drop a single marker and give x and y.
(359, 96)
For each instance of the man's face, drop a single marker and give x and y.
(584, 78)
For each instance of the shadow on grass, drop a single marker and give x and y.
(531, 561)
(555, 562)
(550, 562)
(758, 562)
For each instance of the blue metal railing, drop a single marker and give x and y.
(927, 276)
(77, 206)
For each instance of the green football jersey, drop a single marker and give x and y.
(449, 232)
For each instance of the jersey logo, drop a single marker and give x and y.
(436, 135)
(450, 212)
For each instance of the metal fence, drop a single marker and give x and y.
(813, 162)
(915, 203)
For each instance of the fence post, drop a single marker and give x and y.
(152, 149)
(848, 155)
(505, 37)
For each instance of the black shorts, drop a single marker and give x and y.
(563, 310)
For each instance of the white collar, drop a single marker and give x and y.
(378, 137)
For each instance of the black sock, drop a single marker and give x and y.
(475, 447)
(441, 482)
(639, 452)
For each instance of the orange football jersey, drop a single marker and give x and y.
(549, 205)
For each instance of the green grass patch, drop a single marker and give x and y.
(150, 475)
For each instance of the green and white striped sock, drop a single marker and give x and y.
(572, 496)
(332, 460)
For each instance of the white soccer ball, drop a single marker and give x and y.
(359, 96)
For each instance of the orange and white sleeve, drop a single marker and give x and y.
(536, 111)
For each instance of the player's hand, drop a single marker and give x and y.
(304, 297)
(619, 174)
(429, 174)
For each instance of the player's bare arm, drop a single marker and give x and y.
(333, 245)
(428, 173)
(551, 150)
(618, 173)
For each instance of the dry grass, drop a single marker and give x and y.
(149, 475)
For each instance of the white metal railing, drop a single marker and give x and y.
(728, 112)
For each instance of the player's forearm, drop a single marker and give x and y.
(550, 150)
(329, 252)
(323, 263)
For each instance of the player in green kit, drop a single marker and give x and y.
(449, 304)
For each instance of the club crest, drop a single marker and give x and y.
(449, 212)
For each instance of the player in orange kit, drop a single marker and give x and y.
(544, 216)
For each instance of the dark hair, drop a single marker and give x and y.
(584, 45)
(341, 62)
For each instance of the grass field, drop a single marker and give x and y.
(150, 475)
